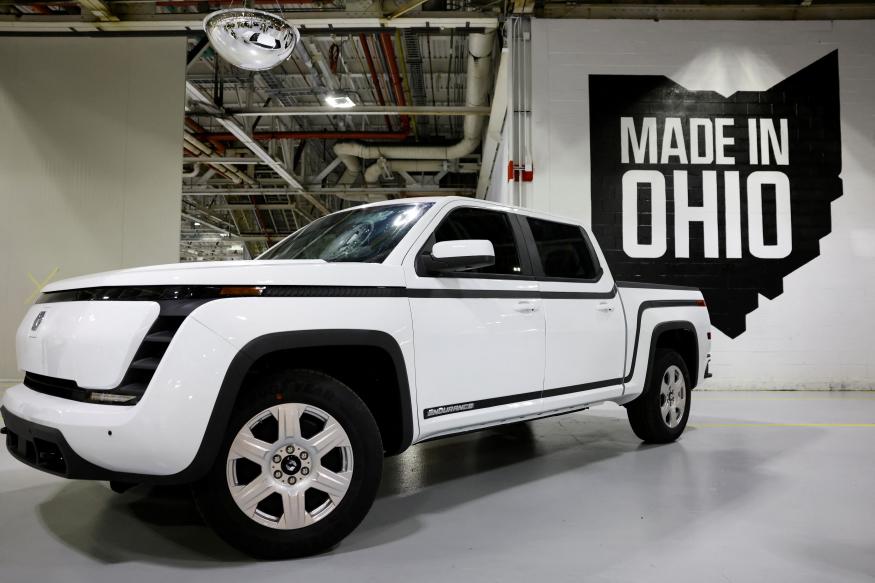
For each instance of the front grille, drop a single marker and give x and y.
(140, 370)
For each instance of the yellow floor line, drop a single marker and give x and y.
(708, 425)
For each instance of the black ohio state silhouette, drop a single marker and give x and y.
(809, 100)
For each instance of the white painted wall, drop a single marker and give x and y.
(90, 171)
(817, 334)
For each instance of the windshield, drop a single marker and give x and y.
(364, 235)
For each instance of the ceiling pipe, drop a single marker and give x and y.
(395, 76)
(227, 169)
(480, 46)
(378, 87)
(196, 169)
(372, 174)
(287, 135)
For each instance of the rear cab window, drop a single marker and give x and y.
(564, 251)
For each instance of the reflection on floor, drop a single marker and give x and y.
(762, 485)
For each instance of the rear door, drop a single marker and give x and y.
(478, 335)
(585, 325)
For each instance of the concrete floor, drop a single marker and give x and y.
(762, 487)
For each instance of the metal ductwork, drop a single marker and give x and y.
(372, 174)
(479, 78)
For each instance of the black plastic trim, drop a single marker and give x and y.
(686, 326)
(269, 343)
(643, 285)
(25, 439)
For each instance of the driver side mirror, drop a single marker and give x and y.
(459, 255)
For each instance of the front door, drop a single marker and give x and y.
(478, 335)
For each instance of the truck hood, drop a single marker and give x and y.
(253, 272)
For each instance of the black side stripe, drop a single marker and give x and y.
(643, 285)
(214, 292)
(441, 410)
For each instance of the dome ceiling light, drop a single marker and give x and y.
(251, 39)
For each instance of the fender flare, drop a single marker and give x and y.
(658, 331)
(278, 341)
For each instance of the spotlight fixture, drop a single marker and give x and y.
(251, 39)
(339, 101)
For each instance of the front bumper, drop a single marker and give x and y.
(45, 448)
(160, 439)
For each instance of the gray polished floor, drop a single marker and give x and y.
(762, 487)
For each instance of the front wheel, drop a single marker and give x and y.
(298, 470)
(660, 414)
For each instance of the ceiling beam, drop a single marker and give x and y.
(232, 126)
(306, 110)
(420, 190)
(716, 11)
(307, 21)
(98, 9)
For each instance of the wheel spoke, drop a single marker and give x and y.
(248, 496)
(295, 515)
(332, 483)
(288, 418)
(331, 436)
(247, 446)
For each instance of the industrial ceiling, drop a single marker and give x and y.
(265, 153)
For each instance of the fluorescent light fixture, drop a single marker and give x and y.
(339, 101)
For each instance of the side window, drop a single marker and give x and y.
(563, 250)
(474, 223)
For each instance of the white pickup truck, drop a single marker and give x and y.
(276, 386)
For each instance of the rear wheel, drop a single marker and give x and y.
(298, 470)
(660, 414)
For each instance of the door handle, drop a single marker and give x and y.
(604, 307)
(526, 307)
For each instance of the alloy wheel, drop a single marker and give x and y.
(289, 466)
(672, 396)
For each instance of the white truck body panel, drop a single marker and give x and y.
(476, 351)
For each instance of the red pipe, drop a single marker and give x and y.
(388, 47)
(364, 40)
(263, 136)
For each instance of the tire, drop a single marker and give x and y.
(660, 414)
(281, 489)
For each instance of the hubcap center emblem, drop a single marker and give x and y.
(291, 464)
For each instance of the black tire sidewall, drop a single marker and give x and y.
(221, 512)
(644, 413)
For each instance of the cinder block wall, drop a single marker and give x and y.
(799, 322)
(90, 152)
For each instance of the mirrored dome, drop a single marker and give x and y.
(251, 39)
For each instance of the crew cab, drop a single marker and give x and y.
(275, 387)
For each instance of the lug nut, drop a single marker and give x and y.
(277, 458)
(304, 455)
(292, 480)
(277, 474)
(305, 471)
(290, 449)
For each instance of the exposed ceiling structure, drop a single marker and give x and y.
(265, 153)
